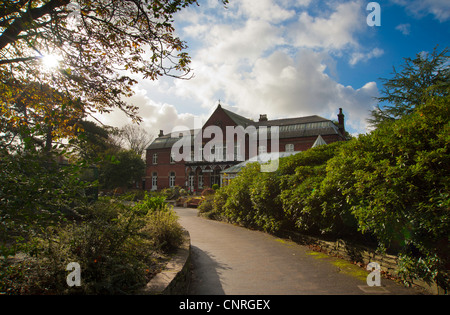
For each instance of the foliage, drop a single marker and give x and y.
(401, 185)
(164, 230)
(389, 186)
(238, 206)
(116, 246)
(173, 193)
(122, 169)
(35, 192)
(206, 205)
(301, 191)
(101, 244)
(151, 204)
(264, 194)
(208, 192)
(94, 42)
(408, 88)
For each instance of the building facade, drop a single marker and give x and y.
(197, 159)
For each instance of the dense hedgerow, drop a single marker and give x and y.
(390, 186)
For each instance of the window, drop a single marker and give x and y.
(172, 159)
(172, 177)
(262, 149)
(289, 147)
(191, 182)
(155, 158)
(200, 181)
(238, 156)
(154, 181)
(218, 152)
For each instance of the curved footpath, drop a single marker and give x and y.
(231, 260)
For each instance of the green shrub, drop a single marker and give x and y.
(115, 245)
(208, 192)
(401, 188)
(238, 206)
(151, 203)
(267, 210)
(164, 230)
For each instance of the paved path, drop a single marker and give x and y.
(232, 260)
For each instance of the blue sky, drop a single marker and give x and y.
(288, 58)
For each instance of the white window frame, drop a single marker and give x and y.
(289, 147)
(200, 181)
(172, 178)
(262, 149)
(155, 181)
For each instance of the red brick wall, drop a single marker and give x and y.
(163, 168)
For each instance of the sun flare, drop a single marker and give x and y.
(51, 61)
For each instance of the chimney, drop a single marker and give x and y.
(263, 117)
(161, 133)
(341, 120)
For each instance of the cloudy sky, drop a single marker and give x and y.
(289, 58)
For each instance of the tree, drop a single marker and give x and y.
(94, 141)
(95, 47)
(409, 87)
(121, 170)
(401, 185)
(134, 137)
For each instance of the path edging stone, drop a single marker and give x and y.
(176, 276)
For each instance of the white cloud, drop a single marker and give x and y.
(336, 31)
(440, 9)
(358, 56)
(267, 10)
(405, 29)
(156, 116)
(264, 57)
(283, 86)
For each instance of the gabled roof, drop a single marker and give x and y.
(292, 121)
(296, 127)
(238, 119)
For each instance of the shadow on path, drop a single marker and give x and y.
(205, 274)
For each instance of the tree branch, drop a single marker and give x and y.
(24, 22)
(24, 59)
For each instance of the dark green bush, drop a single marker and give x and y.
(267, 211)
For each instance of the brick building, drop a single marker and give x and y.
(208, 156)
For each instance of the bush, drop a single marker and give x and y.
(116, 246)
(265, 197)
(164, 230)
(151, 203)
(208, 192)
(238, 206)
(401, 188)
(302, 177)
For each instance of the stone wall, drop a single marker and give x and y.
(176, 277)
